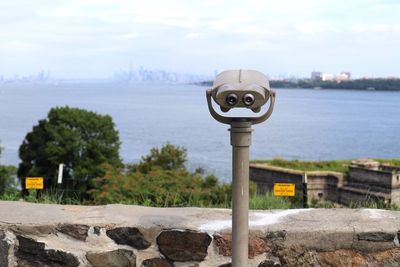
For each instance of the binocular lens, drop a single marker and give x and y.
(231, 99)
(248, 99)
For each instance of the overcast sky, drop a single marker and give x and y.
(94, 38)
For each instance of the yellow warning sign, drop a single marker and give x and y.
(34, 183)
(284, 190)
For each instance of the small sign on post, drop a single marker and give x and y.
(34, 183)
(284, 190)
(60, 173)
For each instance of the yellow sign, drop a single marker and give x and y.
(34, 183)
(284, 190)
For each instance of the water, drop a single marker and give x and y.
(306, 124)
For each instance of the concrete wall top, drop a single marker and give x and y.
(203, 219)
(293, 171)
(138, 236)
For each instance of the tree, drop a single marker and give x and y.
(7, 175)
(82, 140)
(169, 157)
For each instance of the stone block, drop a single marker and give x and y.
(130, 236)
(376, 236)
(223, 242)
(4, 248)
(183, 245)
(77, 231)
(342, 257)
(157, 262)
(115, 258)
(31, 253)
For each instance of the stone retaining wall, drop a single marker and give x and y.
(118, 235)
(321, 185)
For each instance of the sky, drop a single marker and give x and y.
(95, 38)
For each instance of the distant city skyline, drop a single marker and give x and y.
(94, 38)
(142, 73)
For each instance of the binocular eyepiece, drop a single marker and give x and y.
(241, 88)
(232, 99)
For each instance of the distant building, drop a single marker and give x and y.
(328, 77)
(343, 76)
(316, 76)
(143, 74)
(348, 74)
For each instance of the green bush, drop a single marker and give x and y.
(7, 177)
(159, 187)
(169, 157)
(160, 179)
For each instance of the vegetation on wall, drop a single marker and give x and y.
(322, 165)
(328, 165)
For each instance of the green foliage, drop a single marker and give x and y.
(394, 162)
(169, 157)
(328, 165)
(269, 201)
(316, 203)
(80, 139)
(160, 179)
(159, 187)
(7, 177)
(372, 202)
(332, 165)
(10, 195)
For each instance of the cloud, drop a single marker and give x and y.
(211, 32)
(193, 35)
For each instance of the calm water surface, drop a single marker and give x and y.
(306, 124)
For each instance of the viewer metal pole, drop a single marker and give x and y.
(246, 89)
(240, 141)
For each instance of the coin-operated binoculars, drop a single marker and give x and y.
(240, 89)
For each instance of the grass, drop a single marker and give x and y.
(331, 165)
(48, 197)
(269, 201)
(266, 202)
(324, 165)
(394, 162)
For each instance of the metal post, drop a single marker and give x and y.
(240, 141)
(305, 193)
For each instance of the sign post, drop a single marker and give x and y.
(60, 173)
(305, 194)
(34, 183)
(284, 190)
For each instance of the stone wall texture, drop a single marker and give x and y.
(371, 177)
(119, 235)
